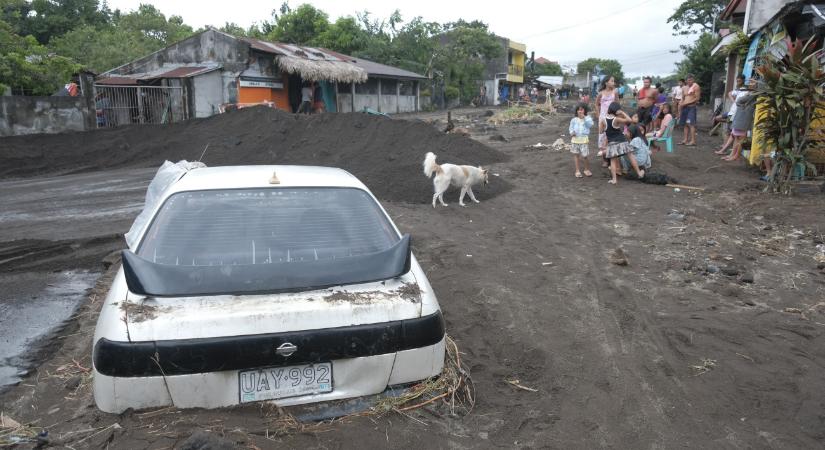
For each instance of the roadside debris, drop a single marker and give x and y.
(522, 114)
(538, 146)
(13, 433)
(517, 384)
(678, 187)
(705, 366)
(8, 422)
(453, 387)
(559, 145)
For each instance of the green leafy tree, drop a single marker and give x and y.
(466, 46)
(693, 14)
(128, 37)
(699, 62)
(27, 66)
(155, 29)
(47, 19)
(415, 45)
(301, 25)
(551, 68)
(345, 36)
(253, 31)
(608, 66)
(233, 28)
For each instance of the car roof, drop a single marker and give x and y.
(237, 177)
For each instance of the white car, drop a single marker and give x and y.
(264, 283)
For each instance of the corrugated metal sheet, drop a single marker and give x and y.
(167, 71)
(184, 72)
(117, 81)
(376, 69)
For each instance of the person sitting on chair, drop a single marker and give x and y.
(665, 117)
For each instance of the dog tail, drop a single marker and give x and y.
(430, 166)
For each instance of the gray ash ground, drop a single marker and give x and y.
(711, 336)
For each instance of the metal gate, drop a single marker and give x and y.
(123, 105)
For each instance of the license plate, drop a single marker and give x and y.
(272, 383)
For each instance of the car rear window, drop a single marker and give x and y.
(264, 226)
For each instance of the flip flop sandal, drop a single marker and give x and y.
(578, 174)
(611, 181)
(588, 173)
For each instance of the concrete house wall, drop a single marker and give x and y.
(32, 115)
(379, 94)
(209, 46)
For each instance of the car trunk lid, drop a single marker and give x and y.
(198, 317)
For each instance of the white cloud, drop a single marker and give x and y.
(638, 36)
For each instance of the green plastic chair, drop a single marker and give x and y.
(667, 137)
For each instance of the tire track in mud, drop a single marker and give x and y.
(617, 328)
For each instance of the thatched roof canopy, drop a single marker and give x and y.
(322, 69)
(312, 64)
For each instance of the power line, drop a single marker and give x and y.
(608, 16)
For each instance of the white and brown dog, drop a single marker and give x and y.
(451, 174)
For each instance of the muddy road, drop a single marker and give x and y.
(711, 334)
(53, 232)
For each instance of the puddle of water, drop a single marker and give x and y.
(32, 306)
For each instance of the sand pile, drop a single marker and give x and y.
(386, 154)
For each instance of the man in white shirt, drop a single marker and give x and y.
(677, 94)
(306, 99)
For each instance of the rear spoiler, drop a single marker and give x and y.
(143, 277)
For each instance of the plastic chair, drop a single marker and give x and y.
(667, 137)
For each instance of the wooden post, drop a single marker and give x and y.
(379, 95)
(141, 118)
(418, 96)
(352, 97)
(397, 96)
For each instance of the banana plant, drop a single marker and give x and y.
(792, 88)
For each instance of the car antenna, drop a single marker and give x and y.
(274, 179)
(204, 152)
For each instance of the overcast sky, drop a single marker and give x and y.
(635, 32)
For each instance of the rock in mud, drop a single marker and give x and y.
(747, 277)
(499, 137)
(201, 440)
(618, 257)
(72, 383)
(730, 271)
(712, 269)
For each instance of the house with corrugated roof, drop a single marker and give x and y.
(211, 72)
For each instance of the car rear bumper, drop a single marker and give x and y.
(217, 354)
(352, 377)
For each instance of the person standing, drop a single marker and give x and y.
(733, 95)
(306, 99)
(677, 94)
(617, 145)
(645, 100)
(606, 96)
(743, 120)
(534, 95)
(579, 139)
(504, 95)
(688, 116)
(482, 94)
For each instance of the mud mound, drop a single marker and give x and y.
(386, 154)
